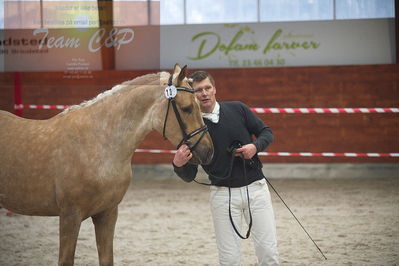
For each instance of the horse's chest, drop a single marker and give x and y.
(114, 180)
(99, 188)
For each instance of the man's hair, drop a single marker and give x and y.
(200, 76)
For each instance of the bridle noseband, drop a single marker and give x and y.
(170, 93)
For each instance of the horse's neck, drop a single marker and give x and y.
(122, 120)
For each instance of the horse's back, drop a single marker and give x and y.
(7, 115)
(24, 160)
(8, 120)
(15, 129)
(10, 126)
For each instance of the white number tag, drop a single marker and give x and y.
(170, 92)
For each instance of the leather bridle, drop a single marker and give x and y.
(170, 93)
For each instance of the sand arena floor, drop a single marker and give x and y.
(168, 222)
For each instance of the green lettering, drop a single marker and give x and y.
(233, 41)
(222, 47)
(269, 44)
(295, 45)
(315, 45)
(305, 45)
(274, 45)
(277, 46)
(201, 54)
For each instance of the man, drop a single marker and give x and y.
(232, 182)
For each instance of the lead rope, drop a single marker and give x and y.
(275, 191)
(249, 206)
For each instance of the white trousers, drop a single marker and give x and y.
(263, 230)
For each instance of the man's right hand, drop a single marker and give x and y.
(182, 156)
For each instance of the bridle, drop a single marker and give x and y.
(170, 93)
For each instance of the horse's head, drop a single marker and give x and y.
(182, 120)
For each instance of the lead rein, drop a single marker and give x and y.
(275, 191)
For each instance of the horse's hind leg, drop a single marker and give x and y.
(70, 221)
(104, 224)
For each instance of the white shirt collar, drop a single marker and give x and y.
(214, 116)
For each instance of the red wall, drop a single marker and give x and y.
(327, 86)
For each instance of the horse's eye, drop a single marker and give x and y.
(187, 109)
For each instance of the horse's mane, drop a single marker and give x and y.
(149, 79)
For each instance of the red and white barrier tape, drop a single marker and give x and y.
(258, 110)
(329, 154)
(38, 106)
(303, 154)
(324, 110)
(155, 151)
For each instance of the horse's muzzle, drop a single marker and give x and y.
(202, 155)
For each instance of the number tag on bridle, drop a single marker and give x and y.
(170, 92)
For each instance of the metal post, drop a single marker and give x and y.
(397, 29)
(18, 93)
(185, 11)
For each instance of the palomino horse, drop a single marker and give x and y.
(77, 164)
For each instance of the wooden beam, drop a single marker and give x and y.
(397, 29)
(105, 14)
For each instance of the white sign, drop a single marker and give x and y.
(335, 42)
(338, 42)
(67, 50)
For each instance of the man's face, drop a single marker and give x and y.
(205, 93)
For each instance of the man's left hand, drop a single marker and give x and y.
(248, 150)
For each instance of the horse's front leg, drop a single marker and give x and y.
(70, 221)
(104, 224)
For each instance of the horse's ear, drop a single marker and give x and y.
(177, 68)
(182, 73)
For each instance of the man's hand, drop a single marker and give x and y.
(248, 150)
(182, 156)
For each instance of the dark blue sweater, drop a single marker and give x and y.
(236, 123)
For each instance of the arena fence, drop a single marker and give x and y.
(380, 110)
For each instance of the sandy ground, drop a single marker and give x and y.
(167, 222)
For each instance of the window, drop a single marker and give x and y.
(356, 9)
(21, 14)
(172, 12)
(296, 10)
(59, 14)
(221, 11)
(70, 14)
(136, 12)
(49, 14)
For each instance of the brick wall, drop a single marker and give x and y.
(327, 86)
